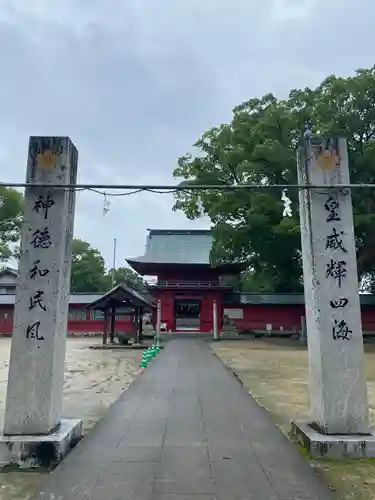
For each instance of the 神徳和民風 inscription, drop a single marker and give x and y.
(37, 301)
(32, 331)
(41, 239)
(43, 204)
(37, 271)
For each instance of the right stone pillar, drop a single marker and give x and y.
(338, 394)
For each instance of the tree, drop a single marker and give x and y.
(88, 269)
(128, 277)
(258, 146)
(11, 211)
(89, 275)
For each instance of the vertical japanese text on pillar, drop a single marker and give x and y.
(336, 268)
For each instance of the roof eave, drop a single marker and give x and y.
(138, 263)
(134, 299)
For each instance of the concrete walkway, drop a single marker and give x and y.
(185, 430)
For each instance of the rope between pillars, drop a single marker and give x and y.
(172, 189)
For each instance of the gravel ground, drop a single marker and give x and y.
(94, 379)
(275, 372)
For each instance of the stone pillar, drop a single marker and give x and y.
(37, 359)
(338, 394)
(158, 319)
(214, 317)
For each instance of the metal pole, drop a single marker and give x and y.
(158, 320)
(214, 313)
(114, 263)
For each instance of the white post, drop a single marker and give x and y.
(303, 337)
(37, 359)
(338, 394)
(158, 319)
(214, 314)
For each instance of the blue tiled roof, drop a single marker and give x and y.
(177, 247)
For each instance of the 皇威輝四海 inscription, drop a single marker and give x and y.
(337, 269)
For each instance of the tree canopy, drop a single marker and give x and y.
(126, 276)
(11, 210)
(89, 274)
(259, 146)
(88, 268)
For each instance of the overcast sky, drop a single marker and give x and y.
(135, 82)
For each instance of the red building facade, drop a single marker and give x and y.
(187, 286)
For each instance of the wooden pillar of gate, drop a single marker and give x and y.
(105, 328)
(112, 325)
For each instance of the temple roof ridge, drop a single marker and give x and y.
(162, 231)
(177, 246)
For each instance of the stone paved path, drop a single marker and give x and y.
(185, 430)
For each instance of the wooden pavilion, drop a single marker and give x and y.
(122, 297)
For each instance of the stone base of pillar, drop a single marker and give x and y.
(40, 451)
(338, 447)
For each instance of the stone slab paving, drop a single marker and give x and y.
(185, 430)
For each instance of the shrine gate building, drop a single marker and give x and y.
(187, 285)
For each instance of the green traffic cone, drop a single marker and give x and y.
(149, 354)
(144, 360)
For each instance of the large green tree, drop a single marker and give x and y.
(89, 274)
(88, 268)
(126, 276)
(259, 146)
(11, 210)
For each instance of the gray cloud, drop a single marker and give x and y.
(135, 83)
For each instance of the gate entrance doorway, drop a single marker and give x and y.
(187, 314)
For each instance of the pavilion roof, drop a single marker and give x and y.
(121, 296)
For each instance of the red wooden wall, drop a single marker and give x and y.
(255, 317)
(81, 321)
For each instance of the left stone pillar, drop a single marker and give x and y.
(37, 359)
